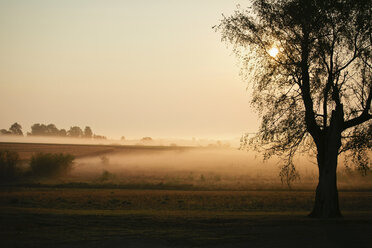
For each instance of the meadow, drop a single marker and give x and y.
(117, 196)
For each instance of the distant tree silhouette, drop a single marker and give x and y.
(95, 136)
(16, 129)
(75, 132)
(5, 132)
(146, 139)
(39, 130)
(88, 132)
(44, 130)
(62, 133)
(314, 93)
(52, 130)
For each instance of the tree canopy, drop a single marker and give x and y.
(75, 131)
(51, 130)
(323, 62)
(15, 129)
(88, 132)
(309, 65)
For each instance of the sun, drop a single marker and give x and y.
(273, 51)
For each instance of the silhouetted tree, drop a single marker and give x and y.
(88, 132)
(62, 132)
(52, 130)
(146, 139)
(95, 136)
(38, 130)
(314, 91)
(16, 129)
(44, 130)
(75, 132)
(5, 132)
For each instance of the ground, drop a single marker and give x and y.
(153, 207)
(75, 217)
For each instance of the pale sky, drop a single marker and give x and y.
(125, 68)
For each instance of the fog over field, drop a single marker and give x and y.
(201, 167)
(227, 162)
(185, 123)
(163, 163)
(221, 168)
(233, 142)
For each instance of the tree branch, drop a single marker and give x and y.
(363, 117)
(311, 124)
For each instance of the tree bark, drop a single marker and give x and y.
(326, 196)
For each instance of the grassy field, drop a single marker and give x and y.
(137, 196)
(37, 217)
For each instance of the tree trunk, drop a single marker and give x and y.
(326, 197)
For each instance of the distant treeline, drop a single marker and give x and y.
(51, 130)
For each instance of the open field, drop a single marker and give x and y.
(173, 200)
(172, 167)
(138, 196)
(164, 218)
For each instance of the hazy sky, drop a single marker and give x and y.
(133, 68)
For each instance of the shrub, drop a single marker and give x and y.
(106, 175)
(8, 165)
(51, 164)
(104, 160)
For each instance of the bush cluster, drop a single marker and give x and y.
(8, 165)
(51, 165)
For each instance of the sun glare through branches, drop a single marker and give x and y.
(273, 51)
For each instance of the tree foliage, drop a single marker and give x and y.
(46, 130)
(52, 131)
(75, 132)
(15, 129)
(321, 74)
(88, 132)
(5, 132)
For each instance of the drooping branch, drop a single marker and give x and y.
(323, 67)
